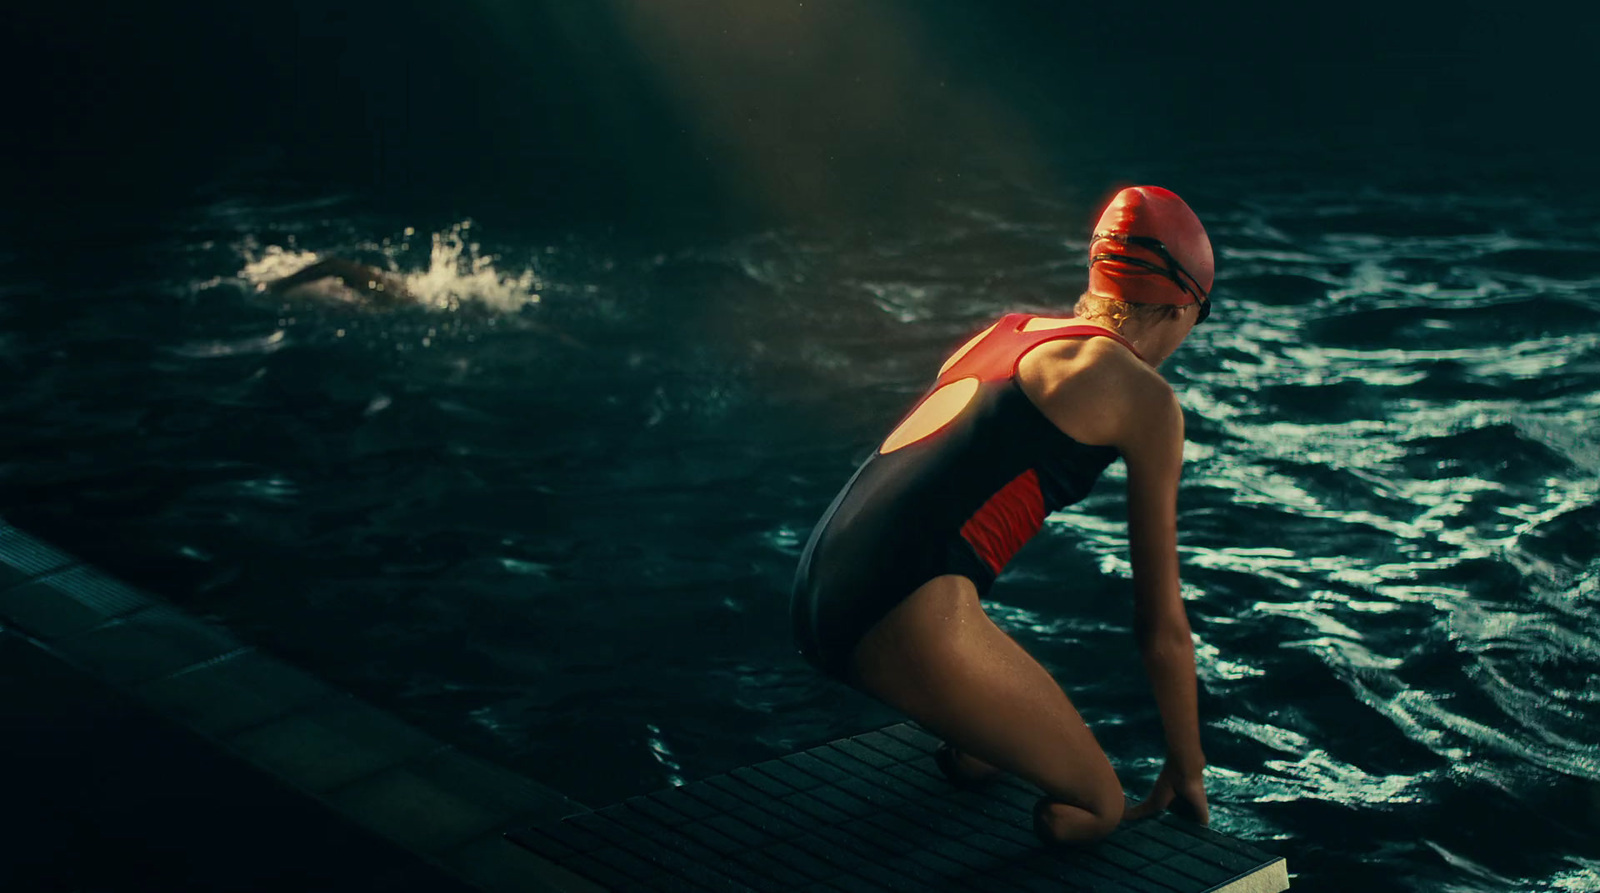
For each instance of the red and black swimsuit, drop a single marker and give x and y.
(960, 499)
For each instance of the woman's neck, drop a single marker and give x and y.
(1151, 340)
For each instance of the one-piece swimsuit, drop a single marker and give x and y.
(967, 477)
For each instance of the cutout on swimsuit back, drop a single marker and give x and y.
(933, 413)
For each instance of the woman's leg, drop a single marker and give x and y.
(938, 658)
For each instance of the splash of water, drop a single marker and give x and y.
(273, 262)
(458, 272)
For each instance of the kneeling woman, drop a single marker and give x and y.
(1020, 422)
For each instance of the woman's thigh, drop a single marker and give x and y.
(938, 658)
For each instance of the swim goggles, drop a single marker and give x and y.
(1173, 270)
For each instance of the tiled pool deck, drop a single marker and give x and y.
(873, 813)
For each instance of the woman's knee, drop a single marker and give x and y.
(1057, 821)
(1105, 804)
(1107, 810)
(1089, 814)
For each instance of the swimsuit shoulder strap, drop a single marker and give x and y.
(1077, 331)
(996, 354)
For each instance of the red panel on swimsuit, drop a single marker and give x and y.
(1010, 518)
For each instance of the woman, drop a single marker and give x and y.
(1021, 421)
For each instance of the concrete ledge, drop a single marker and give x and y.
(147, 644)
(233, 692)
(497, 864)
(441, 801)
(22, 557)
(104, 794)
(331, 744)
(69, 602)
(389, 777)
(1272, 879)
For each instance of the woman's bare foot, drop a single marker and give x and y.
(962, 768)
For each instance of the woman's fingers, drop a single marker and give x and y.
(1187, 808)
(1192, 805)
(1143, 810)
(1188, 803)
(1159, 797)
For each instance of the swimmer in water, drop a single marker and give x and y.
(1019, 422)
(369, 283)
(373, 287)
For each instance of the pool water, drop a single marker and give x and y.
(551, 514)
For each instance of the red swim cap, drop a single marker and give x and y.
(1136, 217)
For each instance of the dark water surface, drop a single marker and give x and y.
(552, 517)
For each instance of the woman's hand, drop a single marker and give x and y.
(1183, 794)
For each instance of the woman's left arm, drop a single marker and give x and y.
(1154, 457)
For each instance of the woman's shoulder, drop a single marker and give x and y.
(1102, 363)
(1095, 390)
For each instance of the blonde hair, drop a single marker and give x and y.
(1093, 306)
